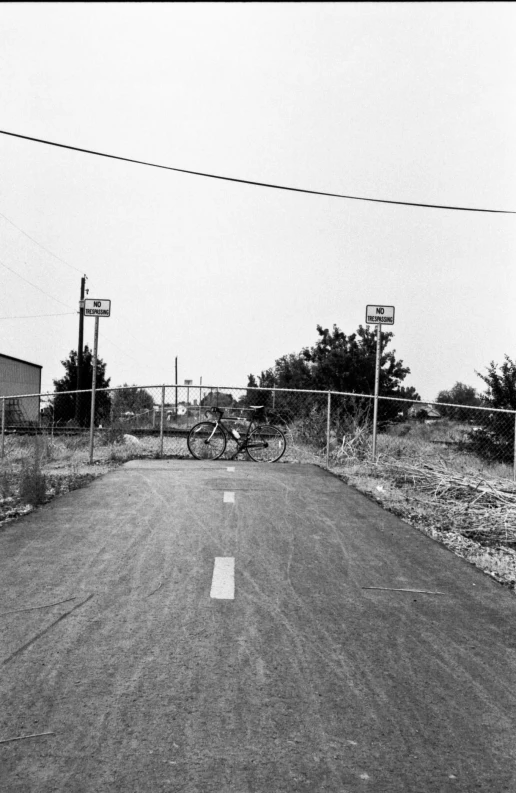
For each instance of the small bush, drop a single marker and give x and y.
(118, 455)
(113, 434)
(33, 485)
(312, 428)
(75, 443)
(6, 485)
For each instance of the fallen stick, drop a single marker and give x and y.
(392, 589)
(154, 590)
(32, 608)
(42, 632)
(23, 737)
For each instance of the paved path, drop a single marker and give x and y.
(290, 675)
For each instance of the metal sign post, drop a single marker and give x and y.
(93, 386)
(376, 385)
(95, 308)
(378, 315)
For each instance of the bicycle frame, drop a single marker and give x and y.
(242, 442)
(262, 442)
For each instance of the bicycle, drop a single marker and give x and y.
(263, 443)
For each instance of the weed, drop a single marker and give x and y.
(6, 484)
(75, 443)
(33, 486)
(113, 434)
(118, 455)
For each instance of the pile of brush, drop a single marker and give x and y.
(485, 509)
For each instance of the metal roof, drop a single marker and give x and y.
(20, 360)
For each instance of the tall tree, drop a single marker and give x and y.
(131, 399)
(460, 394)
(347, 363)
(65, 403)
(494, 438)
(338, 362)
(501, 385)
(217, 399)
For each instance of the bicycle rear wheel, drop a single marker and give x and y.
(206, 441)
(266, 444)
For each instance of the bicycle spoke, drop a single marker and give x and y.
(266, 444)
(206, 441)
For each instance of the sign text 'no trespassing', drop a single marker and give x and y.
(97, 308)
(380, 315)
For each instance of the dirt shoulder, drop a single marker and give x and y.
(23, 492)
(486, 539)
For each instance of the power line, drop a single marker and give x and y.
(34, 285)
(35, 316)
(255, 184)
(39, 243)
(119, 348)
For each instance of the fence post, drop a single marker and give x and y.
(328, 417)
(162, 422)
(514, 452)
(3, 425)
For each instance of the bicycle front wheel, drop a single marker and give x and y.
(206, 441)
(266, 444)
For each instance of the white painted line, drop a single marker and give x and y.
(229, 497)
(230, 469)
(223, 581)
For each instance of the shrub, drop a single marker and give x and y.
(113, 434)
(6, 484)
(33, 486)
(312, 428)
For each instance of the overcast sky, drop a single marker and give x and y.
(408, 102)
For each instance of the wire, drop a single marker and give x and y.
(256, 184)
(35, 316)
(34, 285)
(119, 348)
(38, 243)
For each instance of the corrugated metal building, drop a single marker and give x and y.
(19, 377)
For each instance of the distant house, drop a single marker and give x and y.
(18, 377)
(423, 412)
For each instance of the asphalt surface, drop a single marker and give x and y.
(305, 680)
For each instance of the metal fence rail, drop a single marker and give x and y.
(332, 427)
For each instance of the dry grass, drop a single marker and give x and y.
(454, 497)
(36, 469)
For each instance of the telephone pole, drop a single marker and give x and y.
(79, 352)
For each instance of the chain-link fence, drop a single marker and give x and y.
(332, 428)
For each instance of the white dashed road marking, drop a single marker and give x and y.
(229, 497)
(230, 469)
(223, 581)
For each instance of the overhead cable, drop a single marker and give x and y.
(36, 316)
(254, 183)
(34, 285)
(39, 243)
